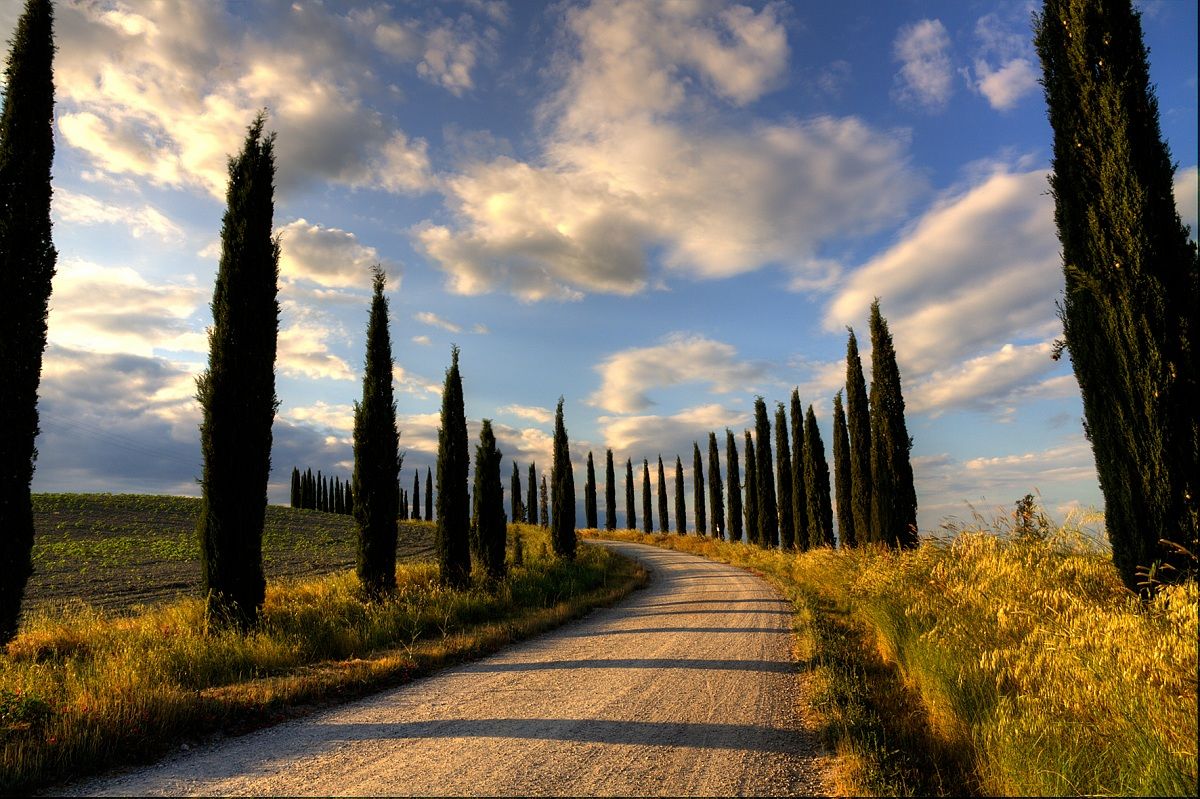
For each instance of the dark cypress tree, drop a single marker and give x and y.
(1129, 308)
(858, 425)
(783, 475)
(768, 511)
(377, 460)
(518, 512)
(664, 520)
(403, 504)
(321, 505)
(337, 496)
(27, 263)
(698, 491)
(294, 500)
(544, 504)
(610, 493)
(647, 511)
(589, 495)
(630, 512)
(751, 491)
(310, 490)
(816, 483)
(562, 532)
(531, 505)
(416, 495)
(894, 500)
(680, 510)
(453, 509)
(843, 485)
(237, 391)
(490, 529)
(349, 500)
(716, 497)
(734, 487)
(428, 494)
(799, 491)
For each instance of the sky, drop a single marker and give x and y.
(656, 211)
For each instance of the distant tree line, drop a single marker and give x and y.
(319, 492)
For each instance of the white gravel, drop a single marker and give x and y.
(688, 687)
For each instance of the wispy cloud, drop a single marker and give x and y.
(926, 76)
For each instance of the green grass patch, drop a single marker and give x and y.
(82, 688)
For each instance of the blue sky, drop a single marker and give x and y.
(657, 211)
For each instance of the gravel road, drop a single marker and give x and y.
(687, 687)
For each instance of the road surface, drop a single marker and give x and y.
(687, 687)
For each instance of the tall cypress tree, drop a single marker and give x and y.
(309, 491)
(562, 533)
(294, 500)
(428, 494)
(531, 511)
(416, 494)
(816, 480)
(768, 510)
(664, 520)
(610, 493)
(630, 512)
(698, 491)
(544, 504)
(27, 264)
(843, 485)
(490, 532)
(799, 490)
(403, 514)
(783, 474)
(237, 391)
(647, 511)
(453, 519)
(377, 460)
(733, 479)
(681, 509)
(589, 495)
(1129, 308)
(321, 492)
(518, 512)
(751, 491)
(858, 425)
(715, 493)
(894, 498)
(350, 500)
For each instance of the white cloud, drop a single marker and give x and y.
(646, 436)
(321, 414)
(303, 346)
(925, 76)
(422, 340)
(629, 375)
(1003, 87)
(415, 384)
(326, 256)
(73, 208)
(1005, 69)
(1186, 189)
(114, 309)
(985, 380)
(531, 412)
(433, 320)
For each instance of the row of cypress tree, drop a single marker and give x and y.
(318, 492)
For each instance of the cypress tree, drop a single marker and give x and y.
(237, 391)
(562, 533)
(294, 499)
(816, 483)
(403, 504)
(858, 425)
(768, 511)
(377, 460)
(698, 491)
(428, 494)
(518, 512)
(647, 512)
(310, 491)
(321, 504)
(1129, 308)
(589, 495)
(734, 478)
(751, 491)
(894, 500)
(531, 505)
(453, 519)
(490, 529)
(784, 475)
(680, 510)
(337, 496)
(544, 504)
(843, 485)
(630, 513)
(610, 493)
(349, 500)
(27, 264)
(716, 497)
(799, 491)
(664, 521)
(416, 495)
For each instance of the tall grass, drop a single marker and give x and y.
(1021, 663)
(80, 688)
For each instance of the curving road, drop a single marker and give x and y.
(687, 687)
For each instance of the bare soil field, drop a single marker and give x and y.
(116, 551)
